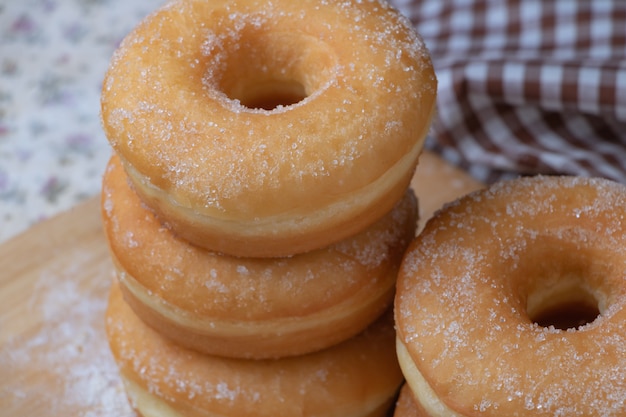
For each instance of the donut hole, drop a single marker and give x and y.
(566, 306)
(267, 69)
(565, 283)
(270, 94)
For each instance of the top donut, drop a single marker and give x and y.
(268, 128)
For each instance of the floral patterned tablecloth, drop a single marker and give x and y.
(53, 55)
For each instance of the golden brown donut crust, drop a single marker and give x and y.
(266, 183)
(470, 282)
(245, 307)
(406, 406)
(357, 378)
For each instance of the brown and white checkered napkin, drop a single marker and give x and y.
(528, 86)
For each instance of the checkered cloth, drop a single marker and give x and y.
(528, 86)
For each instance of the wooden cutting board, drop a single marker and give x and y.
(54, 280)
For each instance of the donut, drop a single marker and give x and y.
(251, 307)
(184, 104)
(359, 377)
(406, 406)
(512, 302)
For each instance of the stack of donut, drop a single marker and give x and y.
(512, 302)
(257, 205)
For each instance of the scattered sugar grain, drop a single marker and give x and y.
(65, 367)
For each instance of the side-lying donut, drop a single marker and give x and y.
(357, 378)
(475, 288)
(178, 107)
(406, 406)
(243, 307)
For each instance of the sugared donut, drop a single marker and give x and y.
(353, 92)
(406, 406)
(483, 291)
(356, 378)
(243, 307)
